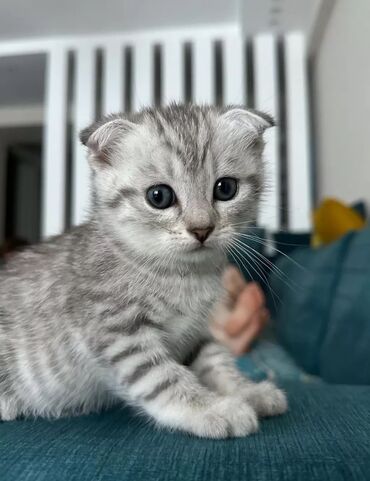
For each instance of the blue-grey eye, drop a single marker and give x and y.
(225, 188)
(160, 196)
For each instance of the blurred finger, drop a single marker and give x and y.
(258, 292)
(242, 343)
(233, 282)
(264, 316)
(248, 303)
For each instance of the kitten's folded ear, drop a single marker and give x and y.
(253, 119)
(102, 136)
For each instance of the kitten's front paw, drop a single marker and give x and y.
(227, 417)
(266, 398)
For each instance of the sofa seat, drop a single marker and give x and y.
(324, 436)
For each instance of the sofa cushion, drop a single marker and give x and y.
(304, 294)
(325, 435)
(323, 316)
(269, 360)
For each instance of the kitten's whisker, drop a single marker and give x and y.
(264, 281)
(239, 257)
(267, 263)
(292, 244)
(262, 276)
(268, 244)
(248, 229)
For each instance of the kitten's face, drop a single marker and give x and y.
(177, 183)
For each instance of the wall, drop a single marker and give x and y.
(342, 103)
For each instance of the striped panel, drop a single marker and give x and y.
(266, 99)
(298, 147)
(173, 71)
(54, 148)
(143, 70)
(84, 114)
(203, 70)
(203, 67)
(234, 70)
(113, 80)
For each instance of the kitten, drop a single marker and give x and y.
(117, 308)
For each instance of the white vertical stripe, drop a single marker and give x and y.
(234, 70)
(84, 115)
(203, 70)
(54, 150)
(299, 188)
(173, 71)
(266, 96)
(113, 98)
(143, 74)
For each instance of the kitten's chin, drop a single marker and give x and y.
(201, 253)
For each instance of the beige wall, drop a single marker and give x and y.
(342, 103)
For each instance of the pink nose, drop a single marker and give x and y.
(202, 234)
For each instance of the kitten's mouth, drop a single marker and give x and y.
(200, 247)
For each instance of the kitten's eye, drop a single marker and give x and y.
(160, 196)
(225, 188)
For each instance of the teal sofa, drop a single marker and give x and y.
(322, 360)
(324, 436)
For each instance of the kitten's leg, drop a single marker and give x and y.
(215, 367)
(142, 373)
(9, 408)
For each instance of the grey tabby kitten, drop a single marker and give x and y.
(117, 308)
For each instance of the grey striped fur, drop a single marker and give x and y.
(110, 311)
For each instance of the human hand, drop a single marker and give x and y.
(239, 319)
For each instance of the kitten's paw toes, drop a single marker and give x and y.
(226, 418)
(266, 399)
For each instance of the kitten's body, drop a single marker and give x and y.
(88, 319)
(52, 307)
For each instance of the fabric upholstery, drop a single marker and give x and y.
(323, 317)
(324, 436)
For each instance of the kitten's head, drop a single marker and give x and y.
(177, 183)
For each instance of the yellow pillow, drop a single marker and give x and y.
(333, 219)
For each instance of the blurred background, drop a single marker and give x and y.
(64, 64)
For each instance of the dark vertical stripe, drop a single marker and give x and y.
(313, 126)
(69, 139)
(218, 73)
(249, 64)
(284, 193)
(128, 78)
(157, 94)
(98, 83)
(188, 72)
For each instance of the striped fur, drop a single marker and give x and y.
(112, 310)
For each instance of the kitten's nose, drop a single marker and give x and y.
(202, 233)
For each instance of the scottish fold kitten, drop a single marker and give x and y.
(117, 309)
